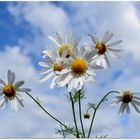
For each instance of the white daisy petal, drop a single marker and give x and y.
(2, 101)
(94, 38)
(107, 61)
(69, 38)
(70, 86)
(95, 66)
(76, 42)
(115, 52)
(11, 77)
(14, 104)
(136, 102)
(128, 108)
(60, 37)
(138, 98)
(122, 107)
(24, 89)
(20, 101)
(66, 80)
(135, 107)
(90, 71)
(53, 40)
(18, 84)
(47, 71)
(43, 64)
(2, 82)
(107, 36)
(46, 77)
(81, 83)
(1, 94)
(63, 71)
(114, 43)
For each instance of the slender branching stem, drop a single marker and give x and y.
(62, 124)
(95, 110)
(74, 116)
(80, 114)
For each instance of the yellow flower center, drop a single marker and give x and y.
(9, 90)
(70, 50)
(79, 66)
(101, 47)
(127, 97)
(57, 67)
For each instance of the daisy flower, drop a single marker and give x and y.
(52, 64)
(9, 91)
(125, 99)
(65, 42)
(80, 69)
(106, 48)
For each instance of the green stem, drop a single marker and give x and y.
(74, 116)
(80, 114)
(48, 112)
(95, 110)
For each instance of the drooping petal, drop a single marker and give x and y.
(94, 38)
(114, 43)
(18, 84)
(122, 108)
(14, 104)
(128, 108)
(136, 102)
(107, 36)
(135, 107)
(2, 101)
(20, 101)
(107, 61)
(81, 83)
(70, 85)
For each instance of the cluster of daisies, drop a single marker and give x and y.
(71, 65)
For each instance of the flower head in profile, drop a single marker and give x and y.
(80, 69)
(9, 92)
(63, 42)
(126, 99)
(53, 63)
(105, 48)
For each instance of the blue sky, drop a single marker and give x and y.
(24, 27)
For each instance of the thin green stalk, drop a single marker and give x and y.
(47, 111)
(74, 116)
(80, 114)
(95, 110)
